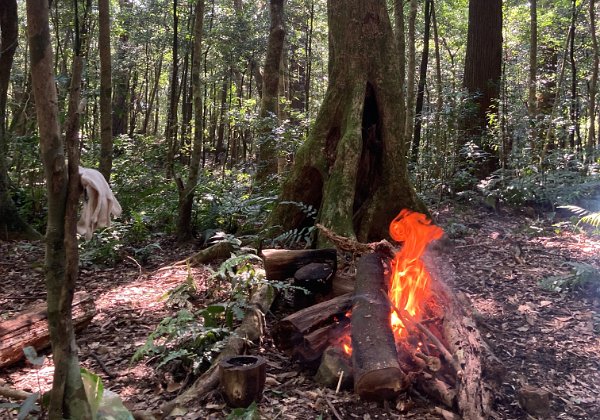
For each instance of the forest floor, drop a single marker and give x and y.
(546, 339)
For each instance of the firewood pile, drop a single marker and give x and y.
(386, 336)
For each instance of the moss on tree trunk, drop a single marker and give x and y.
(353, 167)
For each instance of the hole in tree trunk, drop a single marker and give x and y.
(371, 160)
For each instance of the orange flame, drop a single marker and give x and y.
(409, 286)
(346, 344)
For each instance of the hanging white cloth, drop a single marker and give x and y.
(100, 204)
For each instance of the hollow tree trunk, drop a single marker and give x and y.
(352, 166)
(12, 226)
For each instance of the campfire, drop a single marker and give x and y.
(400, 329)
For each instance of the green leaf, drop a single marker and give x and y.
(94, 389)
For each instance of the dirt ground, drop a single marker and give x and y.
(545, 339)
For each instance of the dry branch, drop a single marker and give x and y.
(355, 247)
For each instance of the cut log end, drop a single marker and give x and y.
(382, 384)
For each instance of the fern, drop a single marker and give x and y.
(592, 219)
(585, 215)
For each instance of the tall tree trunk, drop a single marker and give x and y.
(106, 131)
(153, 93)
(12, 226)
(352, 167)
(422, 80)
(532, 82)
(220, 148)
(591, 142)
(483, 72)
(574, 134)
(123, 65)
(68, 398)
(410, 80)
(439, 103)
(308, 47)
(269, 106)
(171, 129)
(401, 42)
(186, 192)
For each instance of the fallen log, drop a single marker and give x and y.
(282, 264)
(251, 330)
(289, 333)
(472, 356)
(218, 251)
(377, 373)
(30, 328)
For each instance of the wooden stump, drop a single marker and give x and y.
(377, 373)
(242, 379)
(30, 328)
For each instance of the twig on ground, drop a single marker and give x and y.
(102, 365)
(333, 409)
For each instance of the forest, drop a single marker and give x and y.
(299, 209)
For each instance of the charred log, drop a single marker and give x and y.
(305, 334)
(314, 279)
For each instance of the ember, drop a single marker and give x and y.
(409, 284)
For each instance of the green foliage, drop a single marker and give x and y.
(583, 277)
(187, 338)
(94, 390)
(587, 217)
(226, 202)
(252, 412)
(302, 235)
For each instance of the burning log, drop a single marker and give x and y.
(282, 264)
(377, 372)
(307, 333)
(30, 328)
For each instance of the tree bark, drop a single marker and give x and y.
(593, 84)
(106, 131)
(401, 42)
(266, 159)
(67, 398)
(531, 96)
(410, 80)
(171, 129)
(121, 74)
(377, 373)
(422, 80)
(12, 225)
(352, 167)
(186, 192)
(483, 72)
(574, 135)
